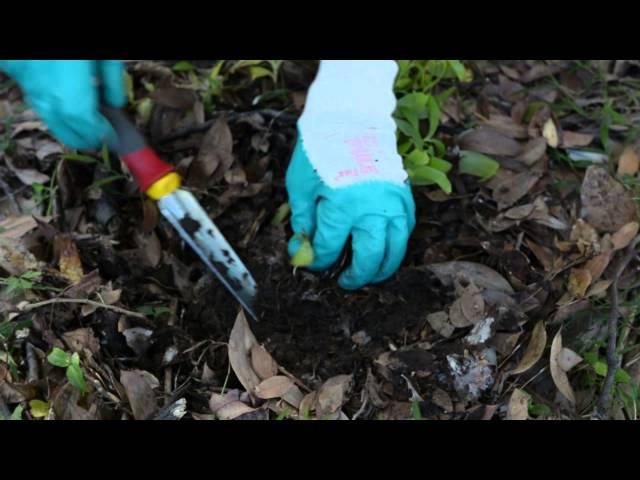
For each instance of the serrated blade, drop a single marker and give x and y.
(195, 227)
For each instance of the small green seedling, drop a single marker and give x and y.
(17, 285)
(39, 409)
(60, 358)
(416, 414)
(304, 256)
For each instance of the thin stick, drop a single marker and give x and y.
(33, 306)
(613, 358)
(32, 362)
(168, 371)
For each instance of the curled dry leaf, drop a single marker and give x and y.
(241, 341)
(606, 205)
(597, 265)
(70, 264)
(535, 349)
(481, 275)
(307, 404)
(629, 162)
(332, 394)
(274, 387)
(623, 237)
(560, 376)
(215, 155)
(263, 363)
(567, 359)
(599, 288)
(579, 281)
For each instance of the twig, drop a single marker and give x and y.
(229, 115)
(168, 371)
(33, 306)
(364, 398)
(613, 357)
(32, 363)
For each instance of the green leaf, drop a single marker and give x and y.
(76, 377)
(259, 72)
(281, 214)
(417, 158)
(441, 165)
(478, 165)
(622, 376)
(8, 328)
(128, 82)
(75, 359)
(428, 176)
(410, 131)
(600, 368)
(434, 116)
(105, 181)
(76, 157)
(104, 154)
(39, 409)
(59, 358)
(183, 66)
(415, 411)
(539, 409)
(31, 274)
(17, 413)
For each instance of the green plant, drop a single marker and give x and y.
(75, 375)
(416, 414)
(16, 285)
(153, 310)
(417, 117)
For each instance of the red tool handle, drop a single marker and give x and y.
(141, 160)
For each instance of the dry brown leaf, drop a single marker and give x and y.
(623, 237)
(606, 205)
(442, 400)
(241, 341)
(332, 394)
(576, 139)
(47, 148)
(374, 391)
(28, 176)
(27, 126)
(506, 126)
(82, 338)
(490, 142)
(457, 317)
(472, 305)
(14, 227)
(599, 288)
(504, 343)
(139, 390)
(215, 155)
(510, 191)
(597, 265)
(585, 236)
(69, 264)
(229, 406)
(172, 97)
(149, 248)
(518, 408)
(274, 387)
(439, 321)
(567, 359)
(543, 254)
(263, 363)
(629, 162)
(481, 275)
(560, 376)
(579, 281)
(535, 349)
(550, 133)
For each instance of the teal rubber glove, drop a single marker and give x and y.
(378, 215)
(67, 94)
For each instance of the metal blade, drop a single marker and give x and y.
(196, 228)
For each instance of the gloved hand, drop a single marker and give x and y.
(67, 95)
(379, 215)
(346, 177)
